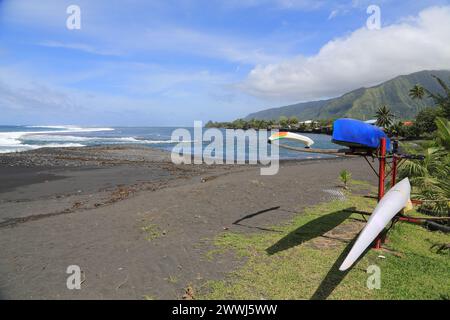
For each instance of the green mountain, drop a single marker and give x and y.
(363, 103)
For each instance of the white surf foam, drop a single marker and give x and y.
(30, 140)
(12, 141)
(62, 138)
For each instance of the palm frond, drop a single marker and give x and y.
(413, 169)
(443, 132)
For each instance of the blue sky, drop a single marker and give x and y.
(173, 62)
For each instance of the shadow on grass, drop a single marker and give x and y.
(310, 230)
(334, 276)
(258, 228)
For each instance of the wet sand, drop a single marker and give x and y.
(136, 224)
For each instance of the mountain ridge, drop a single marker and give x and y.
(362, 103)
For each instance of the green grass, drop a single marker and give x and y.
(172, 279)
(152, 232)
(297, 263)
(362, 184)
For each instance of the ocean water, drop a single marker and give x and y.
(23, 138)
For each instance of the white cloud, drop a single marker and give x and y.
(33, 94)
(144, 94)
(208, 44)
(153, 34)
(79, 47)
(333, 14)
(43, 98)
(362, 58)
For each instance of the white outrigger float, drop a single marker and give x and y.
(392, 203)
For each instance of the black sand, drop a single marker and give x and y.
(136, 224)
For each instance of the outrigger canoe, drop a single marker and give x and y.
(308, 142)
(358, 134)
(395, 200)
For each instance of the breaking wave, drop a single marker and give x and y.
(65, 136)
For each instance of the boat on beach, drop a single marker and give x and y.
(308, 142)
(358, 134)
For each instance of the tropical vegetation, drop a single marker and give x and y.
(282, 122)
(430, 176)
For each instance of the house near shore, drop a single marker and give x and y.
(308, 122)
(308, 125)
(408, 123)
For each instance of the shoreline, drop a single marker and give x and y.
(139, 217)
(95, 148)
(50, 167)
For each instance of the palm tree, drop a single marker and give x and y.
(440, 100)
(417, 92)
(384, 117)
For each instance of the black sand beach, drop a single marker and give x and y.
(138, 225)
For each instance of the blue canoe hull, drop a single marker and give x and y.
(357, 134)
